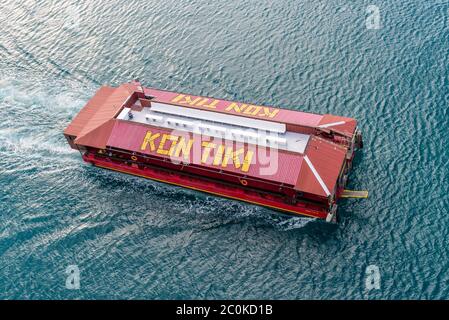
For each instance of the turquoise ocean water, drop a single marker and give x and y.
(133, 238)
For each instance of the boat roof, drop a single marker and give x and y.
(306, 162)
(290, 118)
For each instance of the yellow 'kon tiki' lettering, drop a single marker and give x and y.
(252, 110)
(149, 138)
(184, 147)
(247, 161)
(232, 155)
(236, 107)
(165, 137)
(198, 102)
(181, 147)
(204, 103)
(268, 112)
(187, 100)
(235, 157)
(208, 146)
(178, 98)
(219, 155)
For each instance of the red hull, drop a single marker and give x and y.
(173, 178)
(287, 160)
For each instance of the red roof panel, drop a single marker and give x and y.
(282, 167)
(236, 108)
(316, 171)
(341, 124)
(327, 160)
(98, 137)
(88, 111)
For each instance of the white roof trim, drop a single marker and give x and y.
(219, 117)
(289, 141)
(331, 124)
(317, 176)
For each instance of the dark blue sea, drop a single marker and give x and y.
(131, 238)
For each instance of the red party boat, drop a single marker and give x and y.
(291, 161)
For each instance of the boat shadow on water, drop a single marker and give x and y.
(198, 210)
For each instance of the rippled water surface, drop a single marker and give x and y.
(133, 238)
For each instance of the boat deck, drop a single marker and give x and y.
(222, 126)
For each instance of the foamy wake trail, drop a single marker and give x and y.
(291, 223)
(34, 115)
(242, 210)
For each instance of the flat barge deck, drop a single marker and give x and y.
(291, 161)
